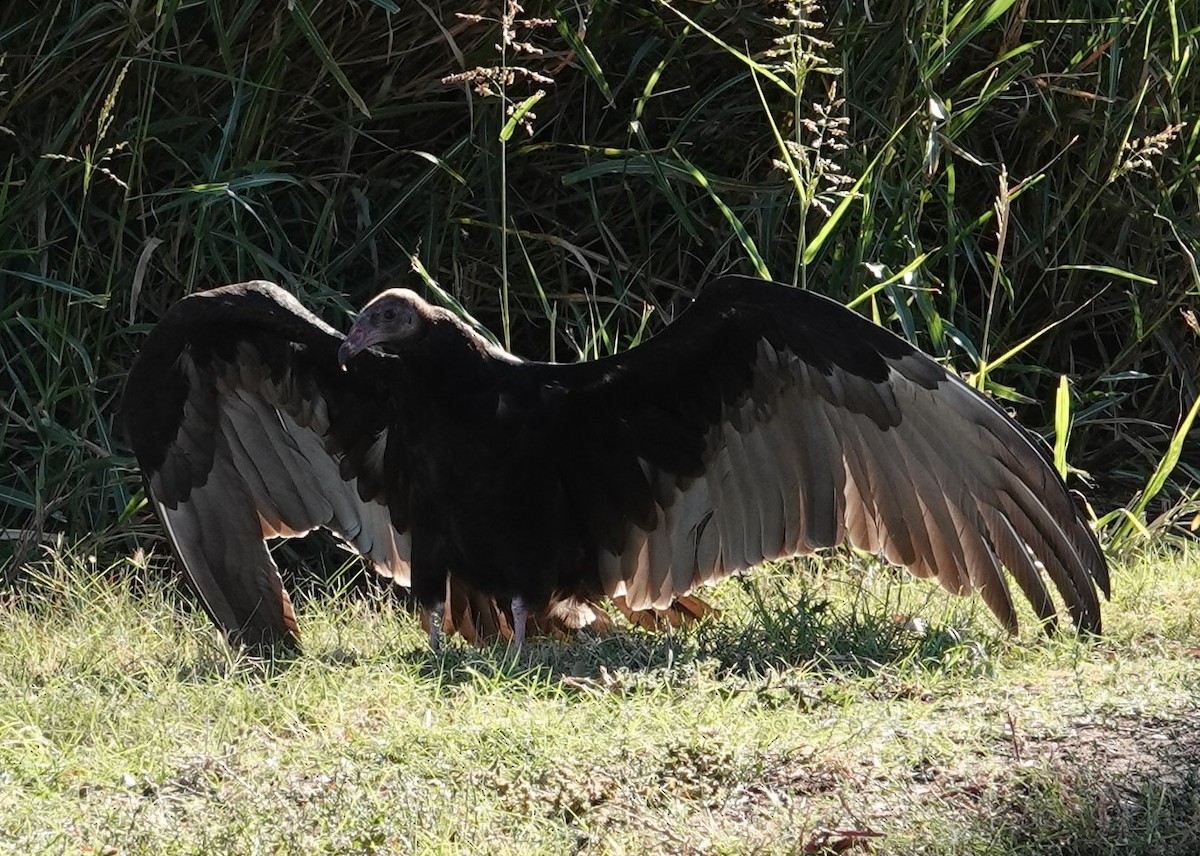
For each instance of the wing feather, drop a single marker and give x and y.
(817, 427)
(822, 487)
(254, 449)
(945, 526)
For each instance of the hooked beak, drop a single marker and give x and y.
(356, 340)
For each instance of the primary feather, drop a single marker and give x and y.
(764, 422)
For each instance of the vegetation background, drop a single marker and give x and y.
(1014, 186)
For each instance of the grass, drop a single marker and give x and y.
(1037, 222)
(125, 727)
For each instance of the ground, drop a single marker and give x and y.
(826, 709)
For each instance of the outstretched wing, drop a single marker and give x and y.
(245, 430)
(768, 422)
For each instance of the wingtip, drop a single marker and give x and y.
(266, 643)
(1086, 622)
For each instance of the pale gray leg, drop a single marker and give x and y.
(520, 615)
(436, 613)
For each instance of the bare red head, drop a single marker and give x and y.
(392, 316)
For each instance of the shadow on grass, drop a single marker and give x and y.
(800, 635)
(782, 626)
(1129, 785)
(781, 631)
(1126, 786)
(786, 629)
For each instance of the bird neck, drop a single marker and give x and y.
(450, 352)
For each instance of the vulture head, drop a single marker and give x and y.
(394, 316)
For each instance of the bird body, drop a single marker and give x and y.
(764, 422)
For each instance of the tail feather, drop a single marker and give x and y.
(473, 615)
(684, 610)
(481, 620)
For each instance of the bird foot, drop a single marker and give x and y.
(520, 616)
(436, 613)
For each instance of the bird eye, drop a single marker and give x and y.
(389, 315)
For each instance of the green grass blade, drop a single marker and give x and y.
(739, 228)
(584, 54)
(1158, 478)
(1062, 425)
(304, 22)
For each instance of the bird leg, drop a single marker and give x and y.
(520, 616)
(436, 613)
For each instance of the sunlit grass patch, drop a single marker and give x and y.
(126, 724)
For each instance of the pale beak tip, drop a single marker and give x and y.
(345, 352)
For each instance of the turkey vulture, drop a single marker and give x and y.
(764, 422)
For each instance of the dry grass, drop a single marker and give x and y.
(125, 728)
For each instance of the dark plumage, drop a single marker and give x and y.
(764, 422)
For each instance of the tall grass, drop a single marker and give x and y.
(970, 174)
